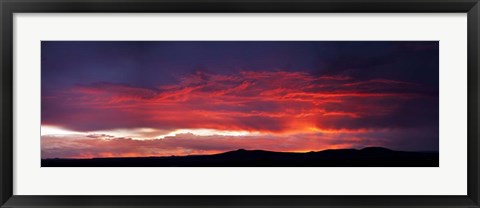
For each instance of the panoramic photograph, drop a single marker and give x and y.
(239, 104)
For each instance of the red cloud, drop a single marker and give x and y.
(252, 101)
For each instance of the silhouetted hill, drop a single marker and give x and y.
(367, 157)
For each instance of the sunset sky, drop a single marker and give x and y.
(162, 98)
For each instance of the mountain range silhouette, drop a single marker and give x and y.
(366, 157)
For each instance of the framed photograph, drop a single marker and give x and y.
(266, 103)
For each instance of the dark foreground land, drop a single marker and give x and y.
(367, 157)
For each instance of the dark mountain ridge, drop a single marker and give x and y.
(366, 157)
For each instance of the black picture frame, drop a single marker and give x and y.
(9, 7)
